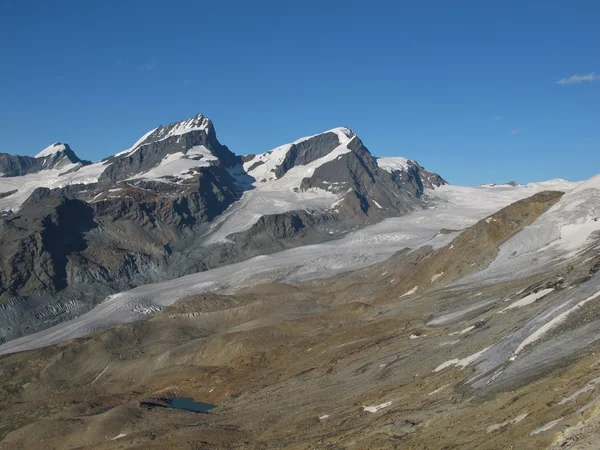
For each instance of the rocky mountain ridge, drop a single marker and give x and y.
(177, 202)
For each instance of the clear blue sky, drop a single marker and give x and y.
(469, 89)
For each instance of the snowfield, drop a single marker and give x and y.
(179, 164)
(392, 164)
(560, 233)
(51, 179)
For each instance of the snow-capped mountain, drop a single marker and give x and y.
(55, 156)
(177, 202)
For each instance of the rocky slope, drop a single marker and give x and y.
(176, 202)
(359, 360)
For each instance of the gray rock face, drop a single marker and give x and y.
(308, 151)
(371, 191)
(416, 178)
(67, 249)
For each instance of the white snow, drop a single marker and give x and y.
(529, 299)
(546, 427)
(464, 362)
(392, 164)
(514, 421)
(495, 197)
(179, 164)
(51, 178)
(324, 416)
(118, 436)
(414, 336)
(100, 374)
(274, 158)
(544, 329)
(377, 204)
(436, 276)
(374, 409)
(51, 150)
(438, 390)
(412, 291)
(197, 123)
(559, 233)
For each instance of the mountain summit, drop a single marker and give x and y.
(56, 156)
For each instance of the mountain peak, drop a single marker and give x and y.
(53, 149)
(197, 123)
(58, 155)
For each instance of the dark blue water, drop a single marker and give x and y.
(188, 404)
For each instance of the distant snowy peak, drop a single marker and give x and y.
(305, 151)
(52, 150)
(59, 156)
(56, 156)
(56, 152)
(196, 123)
(161, 133)
(174, 153)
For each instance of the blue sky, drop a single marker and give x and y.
(469, 89)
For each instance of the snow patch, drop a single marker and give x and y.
(50, 178)
(527, 300)
(393, 164)
(543, 330)
(464, 362)
(374, 409)
(412, 291)
(514, 421)
(438, 390)
(546, 427)
(179, 164)
(436, 276)
(466, 330)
